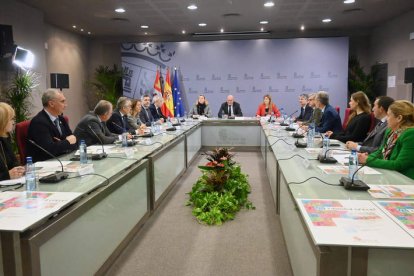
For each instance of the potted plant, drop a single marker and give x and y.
(221, 191)
(107, 83)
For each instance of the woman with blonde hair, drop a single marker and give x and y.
(267, 107)
(9, 168)
(397, 150)
(201, 107)
(359, 121)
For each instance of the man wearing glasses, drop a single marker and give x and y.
(49, 129)
(118, 123)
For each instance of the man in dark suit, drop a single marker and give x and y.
(155, 109)
(316, 115)
(92, 127)
(376, 136)
(118, 123)
(305, 109)
(145, 115)
(230, 108)
(330, 119)
(49, 129)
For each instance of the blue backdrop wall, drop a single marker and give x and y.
(247, 69)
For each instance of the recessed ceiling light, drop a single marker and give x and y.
(192, 7)
(261, 29)
(74, 26)
(183, 31)
(202, 24)
(144, 26)
(89, 33)
(264, 22)
(326, 20)
(221, 30)
(120, 10)
(269, 4)
(349, 1)
(302, 28)
(81, 30)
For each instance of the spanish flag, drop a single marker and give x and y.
(168, 98)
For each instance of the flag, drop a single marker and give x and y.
(157, 83)
(179, 108)
(168, 98)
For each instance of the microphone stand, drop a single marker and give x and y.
(325, 159)
(56, 176)
(102, 155)
(285, 124)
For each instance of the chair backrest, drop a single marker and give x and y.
(22, 129)
(346, 117)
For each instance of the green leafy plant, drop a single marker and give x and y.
(221, 191)
(20, 92)
(358, 80)
(107, 83)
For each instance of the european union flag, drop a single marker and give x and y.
(179, 108)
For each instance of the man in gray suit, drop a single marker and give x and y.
(93, 125)
(376, 136)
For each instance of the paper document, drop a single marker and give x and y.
(11, 182)
(392, 191)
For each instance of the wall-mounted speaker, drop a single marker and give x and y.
(59, 80)
(6, 41)
(409, 75)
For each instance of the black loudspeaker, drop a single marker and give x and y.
(409, 75)
(59, 80)
(6, 40)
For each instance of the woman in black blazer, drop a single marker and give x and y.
(9, 168)
(359, 121)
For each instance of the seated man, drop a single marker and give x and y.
(316, 115)
(145, 115)
(118, 123)
(230, 108)
(155, 109)
(330, 119)
(305, 109)
(376, 136)
(92, 127)
(49, 129)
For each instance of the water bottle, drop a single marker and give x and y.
(282, 112)
(124, 138)
(153, 127)
(31, 184)
(169, 124)
(311, 135)
(83, 155)
(353, 165)
(325, 145)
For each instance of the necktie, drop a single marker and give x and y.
(124, 121)
(302, 111)
(57, 124)
(103, 127)
(230, 113)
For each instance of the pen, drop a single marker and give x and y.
(57, 139)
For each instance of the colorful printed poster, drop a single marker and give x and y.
(392, 191)
(351, 223)
(20, 210)
(341, 169)
(402, 212)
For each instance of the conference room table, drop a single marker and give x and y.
(85, 236)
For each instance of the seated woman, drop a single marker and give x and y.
(133, 118)
(397, 150)
(8, 161)
(359, 120)
(201, 107)
(267, 107)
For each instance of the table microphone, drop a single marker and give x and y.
(121, 128)
(284, 124)
(54, 177)
(323, 158)
(297, 135)
(103, 154)
(354, 184)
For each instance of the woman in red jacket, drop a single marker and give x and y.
(267, 107)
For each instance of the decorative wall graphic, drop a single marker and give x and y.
(248, 69)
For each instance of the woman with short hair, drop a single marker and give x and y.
(9, 168)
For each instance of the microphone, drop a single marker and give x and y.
(121, 128)
(54, 177)
(297, 135)
(323, 158)
(354, 184)
(284, 124)
(102, 155)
